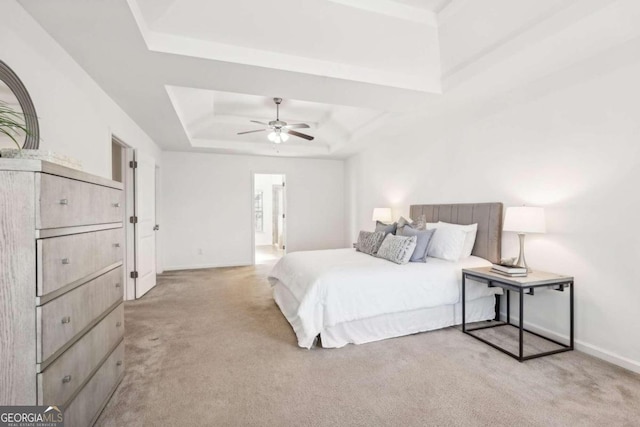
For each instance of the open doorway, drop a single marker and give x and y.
(121, 154)
(269, 217)
(139, 174)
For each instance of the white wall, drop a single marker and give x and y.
(207, 206)
(265, 184)
(574, 149)
(76, 116)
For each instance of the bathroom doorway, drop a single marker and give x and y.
(269, 217)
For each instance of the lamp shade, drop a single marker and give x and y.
(525, 219)
(382, 214)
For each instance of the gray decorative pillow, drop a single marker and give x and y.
(386, 228)
(397, 249)
(369, 242)
(422, 244)
(403, 221)
(420, 224)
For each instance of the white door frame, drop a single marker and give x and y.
(253, 215)
(159, 264)
(129, 203)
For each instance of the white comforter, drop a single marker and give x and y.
(341, 285)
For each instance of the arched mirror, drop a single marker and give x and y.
(18, 119)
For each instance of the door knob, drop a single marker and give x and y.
(156, 227)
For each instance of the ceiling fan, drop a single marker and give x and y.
(280, 130)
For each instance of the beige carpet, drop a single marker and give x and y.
(211, 348)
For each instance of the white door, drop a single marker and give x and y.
(282, 200)
(145, 190)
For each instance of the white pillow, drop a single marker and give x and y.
(472, 232)
(447, 243)
(470, 235)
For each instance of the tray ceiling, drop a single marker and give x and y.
(192, 73)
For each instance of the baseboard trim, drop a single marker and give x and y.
(203, 266)
(590, 349)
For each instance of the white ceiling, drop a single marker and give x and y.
(192, 73)
(316, 37)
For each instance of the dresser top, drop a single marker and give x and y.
(28, 165)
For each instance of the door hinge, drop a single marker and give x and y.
(133, 219)
(283, 216)
(133, 164)
(283, 184)
(134, 274)
(284, 247)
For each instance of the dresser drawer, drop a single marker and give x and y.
(65, 202)
(61, 379)
(63, 318)
(66, 259)
(85, 408)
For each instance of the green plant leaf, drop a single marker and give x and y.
(12, 137)
(10, 120)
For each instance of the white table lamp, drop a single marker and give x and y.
(523, 220)
(382, 215)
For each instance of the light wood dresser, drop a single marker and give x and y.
(61, 288)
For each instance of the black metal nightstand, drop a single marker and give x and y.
(521, 285)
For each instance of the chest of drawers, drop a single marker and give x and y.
(61, 288)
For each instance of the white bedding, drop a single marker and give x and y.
(342, 285)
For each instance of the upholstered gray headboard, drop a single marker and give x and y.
(488, 216)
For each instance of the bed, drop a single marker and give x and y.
(344, 296)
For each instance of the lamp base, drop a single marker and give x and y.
(522, 262)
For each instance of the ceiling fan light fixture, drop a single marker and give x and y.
(277, 137)
(280, 130)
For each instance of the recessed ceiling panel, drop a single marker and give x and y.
(431, 5)
(328, 38)
(214, 118)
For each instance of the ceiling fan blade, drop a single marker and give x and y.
(297, 126)
(251, 131)
(260, 123)
(300, 135)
